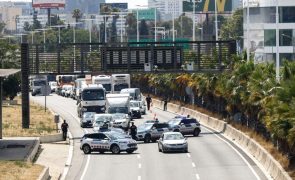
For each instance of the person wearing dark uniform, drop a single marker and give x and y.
(165, 103)
(64, 128)
(133, 131)
(148, 101)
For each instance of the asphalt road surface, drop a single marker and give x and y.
(210, 155)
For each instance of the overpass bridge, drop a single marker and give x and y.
(132, 57)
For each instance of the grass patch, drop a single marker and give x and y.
(19, 170)
(41, 122)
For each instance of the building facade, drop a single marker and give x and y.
(167, 8)
(263, 29)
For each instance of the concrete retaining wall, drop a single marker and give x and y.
(31, 155)
(270, 165)
(44, 175)
(51, 138)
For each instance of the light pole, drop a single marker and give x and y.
(21, 37)
(74, 41)
(155, 24)
(202, 33)
(137, 21)
(216, 22)
(194, 20)
(59, 26)
(173, 23)
(248, 36)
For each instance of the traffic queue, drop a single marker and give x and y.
(109, 106)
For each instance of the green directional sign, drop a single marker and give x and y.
(208, 5)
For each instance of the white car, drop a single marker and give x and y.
(66, 89)
(120, 120)
(107, 141)
(172, 141)
(53, 86)
(135, 109)
(142, 107)
(100, 120)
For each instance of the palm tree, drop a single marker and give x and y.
(77, 14)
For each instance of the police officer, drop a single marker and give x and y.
(133, 131)
(64, 128)
(148, 101)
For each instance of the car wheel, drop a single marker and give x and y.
(163, 150)
(115, 149)
(147, 138)
(82, 126)
(153, 140)
(196, 132)
(86, 149)
(185, 150)
(129, 151)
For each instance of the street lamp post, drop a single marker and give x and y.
(173, 23)
(194, 20)
(155, 24)
(59, 26)
(216, 22)
(248, 36)
(202, 33)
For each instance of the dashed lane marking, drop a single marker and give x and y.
(194, 165)
(138, 156)
(188, 155)
(139, 178)
(139, 165)
(197, 176)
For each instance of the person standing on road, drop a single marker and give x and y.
(133, 131)
(64, 128)
(165, 103)
(148, 101)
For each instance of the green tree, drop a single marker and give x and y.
(27, 26)
(77, 14)
(11, 86)
(143, 28)
(232, 28)
(131, 25)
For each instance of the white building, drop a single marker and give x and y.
(167, 8)
(263, 29)
(29, 18)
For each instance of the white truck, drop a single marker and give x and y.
(36, 84)
(119, 82)
(78, 87)
(93, 99)
(104, 80)
(118, 103)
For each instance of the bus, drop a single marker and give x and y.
(104, 80)
(119, 82)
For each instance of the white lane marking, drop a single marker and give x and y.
(139, 178)
(250, 167)
(86, 167)
(197, 176)
(188, 155)
(139, 165)
(193, 164)
(70, 156)
(138, 156)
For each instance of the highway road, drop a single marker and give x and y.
(210, 155)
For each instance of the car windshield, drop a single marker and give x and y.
(119, 116)
(93, 94)
(39, 83)
(144, 127)
(113, 110)
(88, 115)
(173, 137)
(118, 87)
(134, 104)
(174, 122)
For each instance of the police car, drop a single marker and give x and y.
(185, 125)
(107, 141)
(151, 131)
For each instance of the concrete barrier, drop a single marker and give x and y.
(44, 175)
(32, 153)
(51, 138)
(270, 165)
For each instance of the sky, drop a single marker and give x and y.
(131, 3)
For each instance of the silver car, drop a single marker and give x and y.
(87, 119)
(121, 120)
(172, 141)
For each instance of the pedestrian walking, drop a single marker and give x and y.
(64, 128)
(133, 131)
(148, 101)
(165, 103)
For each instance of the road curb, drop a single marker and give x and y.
(249, 146)
(44, 175)
(34, 150)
